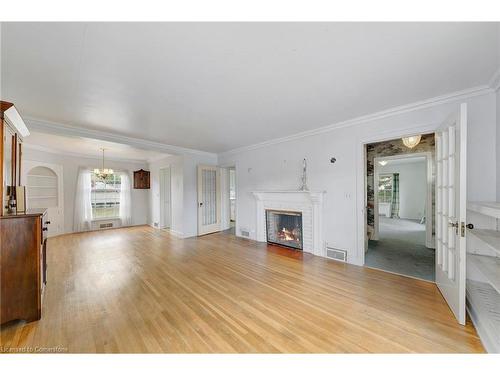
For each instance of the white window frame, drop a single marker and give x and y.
(93, 176)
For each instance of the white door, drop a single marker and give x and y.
(209, 199)
(165, 207)
(451, 154)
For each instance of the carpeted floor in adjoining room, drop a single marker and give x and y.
(401, 249)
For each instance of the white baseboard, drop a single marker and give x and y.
(177, 233)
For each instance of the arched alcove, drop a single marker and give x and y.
(42, 188)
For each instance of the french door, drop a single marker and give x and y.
(451, 153)
(209, 196)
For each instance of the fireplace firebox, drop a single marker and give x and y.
(284, 228)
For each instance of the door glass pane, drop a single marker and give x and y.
(209, 190)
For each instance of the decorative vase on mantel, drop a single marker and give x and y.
(304, 186)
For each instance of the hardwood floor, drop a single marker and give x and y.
(142, 290)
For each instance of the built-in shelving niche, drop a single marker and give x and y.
(42, 186)
(483, 272)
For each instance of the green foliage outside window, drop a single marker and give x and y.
(105, 196)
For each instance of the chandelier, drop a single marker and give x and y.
(412, 141)
(103, 173)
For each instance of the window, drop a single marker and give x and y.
(385, 188)
(105, 196)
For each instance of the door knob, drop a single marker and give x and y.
(470, 226)
(201, 204)
(454, 225)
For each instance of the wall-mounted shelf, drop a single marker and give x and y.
(483, 304)
(490, 238)
(141, 179)
(486, 208)
(41, 175)
(483, 272)
(488, 267)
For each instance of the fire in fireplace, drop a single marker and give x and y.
(284, 228)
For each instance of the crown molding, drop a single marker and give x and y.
(494, 82)
(158, 158)
(79, 155)
(62, 129)
(442, 99)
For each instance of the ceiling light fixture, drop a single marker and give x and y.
(103, 173)
(412, 141)
(383, 162)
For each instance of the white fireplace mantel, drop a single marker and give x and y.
(309, 203)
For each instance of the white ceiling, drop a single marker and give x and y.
(219, 86)
(87, 147)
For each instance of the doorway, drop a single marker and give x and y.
(228, 199)
(165, 199)
(400, 217)
(232, 200)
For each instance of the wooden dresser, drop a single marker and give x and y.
(23, 232)
(23, 262)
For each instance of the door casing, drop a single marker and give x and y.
(361, 202)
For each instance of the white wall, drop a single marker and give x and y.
(497, 96)
(184, 191)
(71, 164)
(177, 192)
(412, 187)
(278, 166)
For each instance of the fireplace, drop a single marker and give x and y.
(284, 228)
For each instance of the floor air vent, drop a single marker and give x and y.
(336, 254)
(245, 233)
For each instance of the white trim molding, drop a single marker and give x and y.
(494, 83)
(309, 203)
(14, 119)
(361, 203)
(62, 129)
(173, 232)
